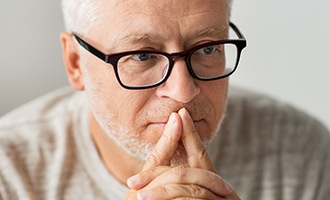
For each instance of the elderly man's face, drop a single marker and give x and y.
(136, 118)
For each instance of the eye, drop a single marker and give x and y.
(207, 50)
(142, 57)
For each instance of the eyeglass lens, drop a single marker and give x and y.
(208, 62)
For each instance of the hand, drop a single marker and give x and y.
(158, 180)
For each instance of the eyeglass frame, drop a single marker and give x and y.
(113, 59)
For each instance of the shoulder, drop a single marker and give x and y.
(263, 120)
(41, 117)
(39, 124)
(268, 141)
(253, 110)
(274, 145)
(36, 138)
(33, 119)
(43, 108)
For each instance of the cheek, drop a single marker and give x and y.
(114, 104)
(101, 88)
(127, 105)
(217, 95)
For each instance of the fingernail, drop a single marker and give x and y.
(145, 194)
(132, 181)
(182, 110)
(229, 189)
(171, 120)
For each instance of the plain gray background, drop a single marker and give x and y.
(287, 56)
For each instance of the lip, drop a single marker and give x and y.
(160, 124)
(163, 124)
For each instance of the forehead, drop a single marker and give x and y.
(169, 8)
(161, 19)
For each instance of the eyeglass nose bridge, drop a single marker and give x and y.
(182, 54)
(186, 56)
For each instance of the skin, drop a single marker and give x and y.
(129, 127)
(198, 180)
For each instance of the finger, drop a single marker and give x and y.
(192, 176)
(143, 178)
(166, 146)
(131, 195)
(233, 196)
(196, 152)
(174, 191)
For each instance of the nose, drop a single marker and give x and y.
(180, 85)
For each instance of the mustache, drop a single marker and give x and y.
(160, 112)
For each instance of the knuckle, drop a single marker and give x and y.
(155, 157)
(152, 170)
(197, 191)
(203, 155)
(164, 191)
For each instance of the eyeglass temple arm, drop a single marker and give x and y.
(91, 49)
(237, 31)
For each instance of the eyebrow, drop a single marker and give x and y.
(145, 37)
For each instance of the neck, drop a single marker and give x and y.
(117, 161)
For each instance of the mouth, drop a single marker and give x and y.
(163, 124)
(155, 130)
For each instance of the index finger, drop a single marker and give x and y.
(165, 148)
(196, 152)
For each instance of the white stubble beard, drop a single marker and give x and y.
(120, 135)
(125, 138)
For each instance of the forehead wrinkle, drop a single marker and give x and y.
(212, 31)
(133, 38)
(145, 38)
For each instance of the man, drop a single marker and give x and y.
(150, 122)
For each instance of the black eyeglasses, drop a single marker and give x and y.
(144, 69)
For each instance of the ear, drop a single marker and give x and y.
(71, 58)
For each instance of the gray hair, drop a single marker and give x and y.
(79, 15)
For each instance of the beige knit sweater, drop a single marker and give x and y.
(266, 149)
